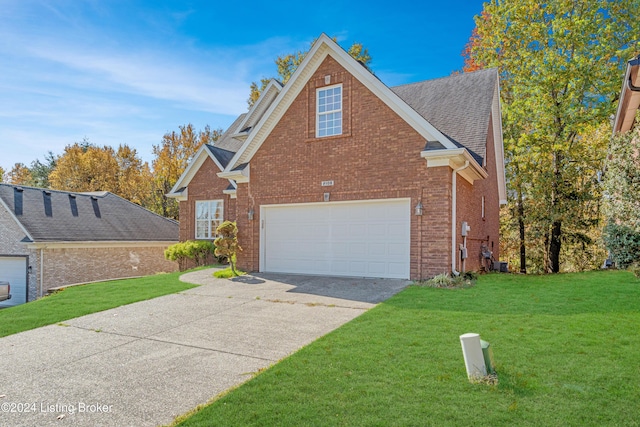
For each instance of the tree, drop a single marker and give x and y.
(40, 171)
(172, 156)
(287, 65)
(20, 175)
(87, 167)
(621, 205)
(227, 243)
(560, 65)
(2, 173)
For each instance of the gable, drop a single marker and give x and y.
(321, 49)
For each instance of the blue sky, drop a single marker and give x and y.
(127, 72)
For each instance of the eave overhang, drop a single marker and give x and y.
(180, 194)
(455, 158)
(239, 174)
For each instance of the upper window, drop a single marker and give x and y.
(329, 111)
(209, 215)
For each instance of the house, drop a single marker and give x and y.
(629, 103)
(335, 173)
(50, 239)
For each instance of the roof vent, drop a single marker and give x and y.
(72, 196)
(19, 189)
(47, 192)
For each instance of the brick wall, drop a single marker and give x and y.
(205, 185)
(10, 236)
(376, 157)
(65, 266)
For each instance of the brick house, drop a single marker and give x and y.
(50, 239)
(335, 173)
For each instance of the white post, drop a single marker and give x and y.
(473, 358)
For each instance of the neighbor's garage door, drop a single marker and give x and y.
(14, 271)
(362, 239)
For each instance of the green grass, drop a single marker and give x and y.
(567, 351)
(228, 273)
(77, 301)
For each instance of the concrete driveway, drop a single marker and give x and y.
(146, 363)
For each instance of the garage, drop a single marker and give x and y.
(359, 239)
(13, 269)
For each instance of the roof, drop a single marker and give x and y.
(226, 140)
(223, 156)
(629, 98)
(459, 106)
(62, 216)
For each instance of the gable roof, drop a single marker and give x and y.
(322, 48)
(459, 106)
(62, 216)
(629, 97)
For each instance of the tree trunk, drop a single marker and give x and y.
(554, 247)
(523, 248)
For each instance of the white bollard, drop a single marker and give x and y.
(473, 358)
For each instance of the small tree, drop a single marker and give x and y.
(227, 243)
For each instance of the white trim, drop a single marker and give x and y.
(258, 108)
(454, 159)
(211, 232)
(239, 176)
(98, 244)
(233, 193)
(498, 144)
(15, 218)
(322, 48)
(318, 114)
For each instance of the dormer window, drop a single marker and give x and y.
(329, 111)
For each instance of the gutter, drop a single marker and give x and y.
(454, 188)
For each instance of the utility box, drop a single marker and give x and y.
(487, 354)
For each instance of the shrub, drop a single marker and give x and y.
(446, 280)
(623, 243)
(197, 250)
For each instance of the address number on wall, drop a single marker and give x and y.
(327, 183)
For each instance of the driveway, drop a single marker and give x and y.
(146, 363)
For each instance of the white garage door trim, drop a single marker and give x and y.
(13, 269)
(365, 238)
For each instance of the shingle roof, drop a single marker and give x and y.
(458, 106)
(226, 142)
(223, 156)
(61, 216)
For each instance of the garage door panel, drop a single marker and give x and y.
(14, 271)
(349, 239)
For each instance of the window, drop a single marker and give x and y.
(209, 216)
(329, 111)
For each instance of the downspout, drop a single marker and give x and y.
(454, 190)
(41, 271)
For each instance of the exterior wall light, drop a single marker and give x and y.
(419, 209)
(250, 214)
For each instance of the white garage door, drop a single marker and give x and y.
(360, 239)
(14, 271)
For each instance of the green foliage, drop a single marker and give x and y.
(623, 243)
(228, 273)
(561, 64)
(226, 245)
(446, 280)
(197, 250)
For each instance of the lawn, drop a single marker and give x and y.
(77, 301)
(567, 351)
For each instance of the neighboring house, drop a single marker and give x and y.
(50, 239)
(629, 102)
(335, 173)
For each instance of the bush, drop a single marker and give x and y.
(197, 250)
(623, 244)
(446, 280)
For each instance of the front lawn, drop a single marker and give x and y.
(77, 301)
(566, 348)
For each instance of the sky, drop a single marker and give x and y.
(127, 72)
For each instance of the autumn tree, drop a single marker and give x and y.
(287, 65)
(560, 65)
(172, 156)
(2, 173)
(87, 167)
(20, 175)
